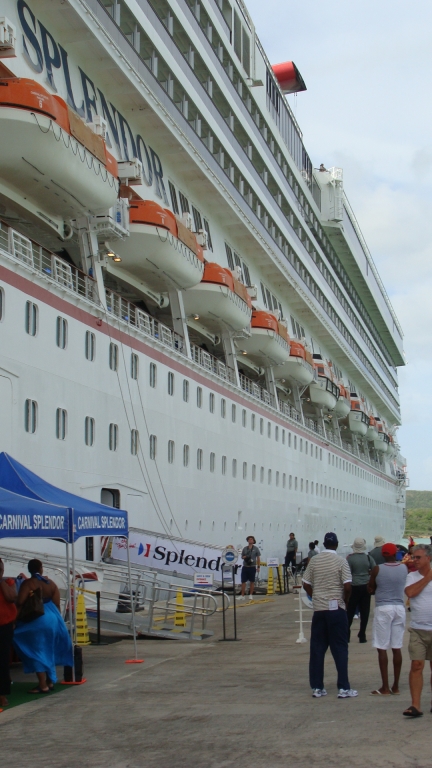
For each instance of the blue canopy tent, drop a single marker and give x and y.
(24, 491)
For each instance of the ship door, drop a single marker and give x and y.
(110, 497)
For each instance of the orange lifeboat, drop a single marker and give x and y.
(50, 156)
(381, 444)
(343, 405)
(372, 431)
(268, 344)
(358, 421)
(299, 365)
(160, 250)
(220, 301)
(323, 392)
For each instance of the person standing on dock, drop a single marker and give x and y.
(327, 580)
(418, 589)
(361, 565)
(291, 551)
(251, 563)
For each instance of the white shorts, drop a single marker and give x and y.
(388, 626)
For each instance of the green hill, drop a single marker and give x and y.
(419, 513)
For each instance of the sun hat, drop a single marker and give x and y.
(359, 545)
(251, 537)
(379, 541)
(389, 549)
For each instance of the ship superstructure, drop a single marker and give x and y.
(192, 326)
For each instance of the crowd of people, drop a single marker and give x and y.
(31, 623)
(342, 587)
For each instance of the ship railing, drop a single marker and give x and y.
(290, 411)
(258, 392)
(136, 318)
(47, 263)
(212, 364)
(314, 426)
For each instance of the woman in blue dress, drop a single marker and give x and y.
(43, 643)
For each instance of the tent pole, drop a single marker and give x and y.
(132, 599)
(69, 592)
(74, 608)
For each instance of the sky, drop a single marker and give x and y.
(367, 67)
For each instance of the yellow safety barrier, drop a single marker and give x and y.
(82, 633)
(180, 616)
(270, 582)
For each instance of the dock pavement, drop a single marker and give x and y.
(215, 704)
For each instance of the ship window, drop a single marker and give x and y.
(284, 480)
(212, 462)
(30, 416)
(301, 445)
(234, 467)
(312, 488)
(113, 356)
(2, 302)
(244, 470)
(113, 437)
(224, 465)
(61, 423)
(90, 346)
(246, 274)
(134, 366)
(171, 451)
(268, 429)
(229, 256)
(269, 477)
(253, 472)
(290, 482)
(197, 219)
(307, 486)
(261, 474)
(186, 390)
(277, 434)
(295, 483)
(31, 318)
(301, 485)
(244, 417)
(153, 375)
(306, 447)
(184, 203)
(223, 408)
(316, 451)
(153, 446)
(199, 458)
(211, 402)
(199, 397)
(233, 413)
(283, 437)
(170, 383)
(261, 426)
(209, 238)
(173, 195)
(253, 422)
(277, 478)
(185, 455)
(320, 454)
(61, 332)
(134, 442)
(89, 430)
(295, 442)
(289, 439)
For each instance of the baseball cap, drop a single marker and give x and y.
(331, 538)
(389, 549)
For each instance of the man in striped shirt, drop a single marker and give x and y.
(327, 580)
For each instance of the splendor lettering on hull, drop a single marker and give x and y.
(42, 52)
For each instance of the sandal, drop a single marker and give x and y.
(378, 693)
(412, 712)
(39, 690)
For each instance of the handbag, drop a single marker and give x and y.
(33, 607)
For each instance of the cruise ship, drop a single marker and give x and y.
(192, 327)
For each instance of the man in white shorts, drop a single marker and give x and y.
(419, 591)
(387, 583)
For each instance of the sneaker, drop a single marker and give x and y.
(347, 693)
(242, 597)
(318, 692)
(250, 597)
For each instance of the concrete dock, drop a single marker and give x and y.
(218, 704)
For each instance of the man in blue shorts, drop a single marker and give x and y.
(251, 563)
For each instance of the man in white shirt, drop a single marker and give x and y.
(418, 589)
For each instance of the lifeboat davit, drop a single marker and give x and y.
(358, 421)
(220, 301)
(323, 392)
(298, 367)
(343, 405)
(392, 449)
(160, 249)
(372, 430)
(50, 156)
(268, 343)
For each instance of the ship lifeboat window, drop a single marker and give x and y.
(199, 397)
(30, 416)
(2, 304)
(224, 465)
(269, 477)
(253, 472)
(171, 451)
(262, 475)
(290, 482)
(153, 446)
(185, 390)
(61, 332)
(153, 375)
(233, 413)
(234, 467)
(277, 478)
(211, 402)
(113, 356)
(277, 434)
(134, 366)
(170, 383)
(244, 470)
(253, 422)
(185, 455)
(268, 429)
(223, 408)
(244, 417)
(113, 437)
(61, 423)
(212, 462)
(90, 346)
(31, 318)
(134, 442)
(89, 430)
(261, 426)
(199, 458)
